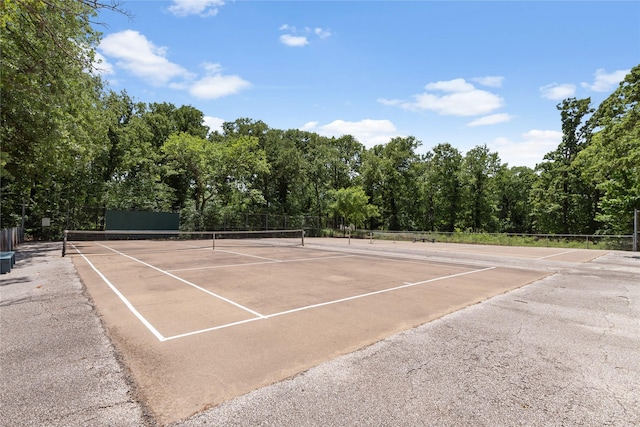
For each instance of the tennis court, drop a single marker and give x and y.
(198, 326)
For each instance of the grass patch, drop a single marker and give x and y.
(569, 241)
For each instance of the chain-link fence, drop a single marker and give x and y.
(578, 241)
(262, 221)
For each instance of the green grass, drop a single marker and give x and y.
(620, 242)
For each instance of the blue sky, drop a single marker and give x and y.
(466, 73)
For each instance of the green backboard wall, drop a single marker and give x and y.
(139, 220)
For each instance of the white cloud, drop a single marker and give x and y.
(212, 67)
(491, 81)
(490, 120)
(604, 82)
(134, 53)
(390, 102)
(196, 7)
(557, 92)
(217, 85)
(460, 99)
(295, 41)
(322, 33)
(529, 150)
(455, 85)
(214, 123)
(368, 131)
(471, 103)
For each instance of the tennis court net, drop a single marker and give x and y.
(258, 238)
(95, 242)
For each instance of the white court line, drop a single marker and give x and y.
(415, 261)
(262, 263)
(209, 267)
(126, 302)
(255, 313)
(406, 285)
(308, 307)
(561, 253)
(201, 331)
(197, 247)
(251, 256)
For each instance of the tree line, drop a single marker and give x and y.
(72, 148)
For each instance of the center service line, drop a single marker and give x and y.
(406, 285)
(255, 313)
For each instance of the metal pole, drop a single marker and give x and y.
(22, 221)
(635, 230)
(64, 243)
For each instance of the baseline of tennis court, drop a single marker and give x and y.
(198, 327)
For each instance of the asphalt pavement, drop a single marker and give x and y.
(562, 351)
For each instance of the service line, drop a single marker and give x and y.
(308, 307)
(249, 255)
(284, 261)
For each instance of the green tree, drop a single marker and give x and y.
(445, 187)
(562, 201)
(317, 152)
(343, 161)
(241, 159)
(49, 123)
(388, 177)
(352, 204)
(513, 186)
(190, 120)
(133, 174)
(283, 185)
(479, 169)
(261, 180)
(611, 161)
(219, 172)
(331, 164)
(197, 159)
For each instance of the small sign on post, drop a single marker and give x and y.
(46, 222)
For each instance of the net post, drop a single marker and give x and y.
(64, 243)
(302, 232)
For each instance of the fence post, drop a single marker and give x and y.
(22, 220)
(635, 230)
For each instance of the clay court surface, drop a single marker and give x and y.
(197, 326)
